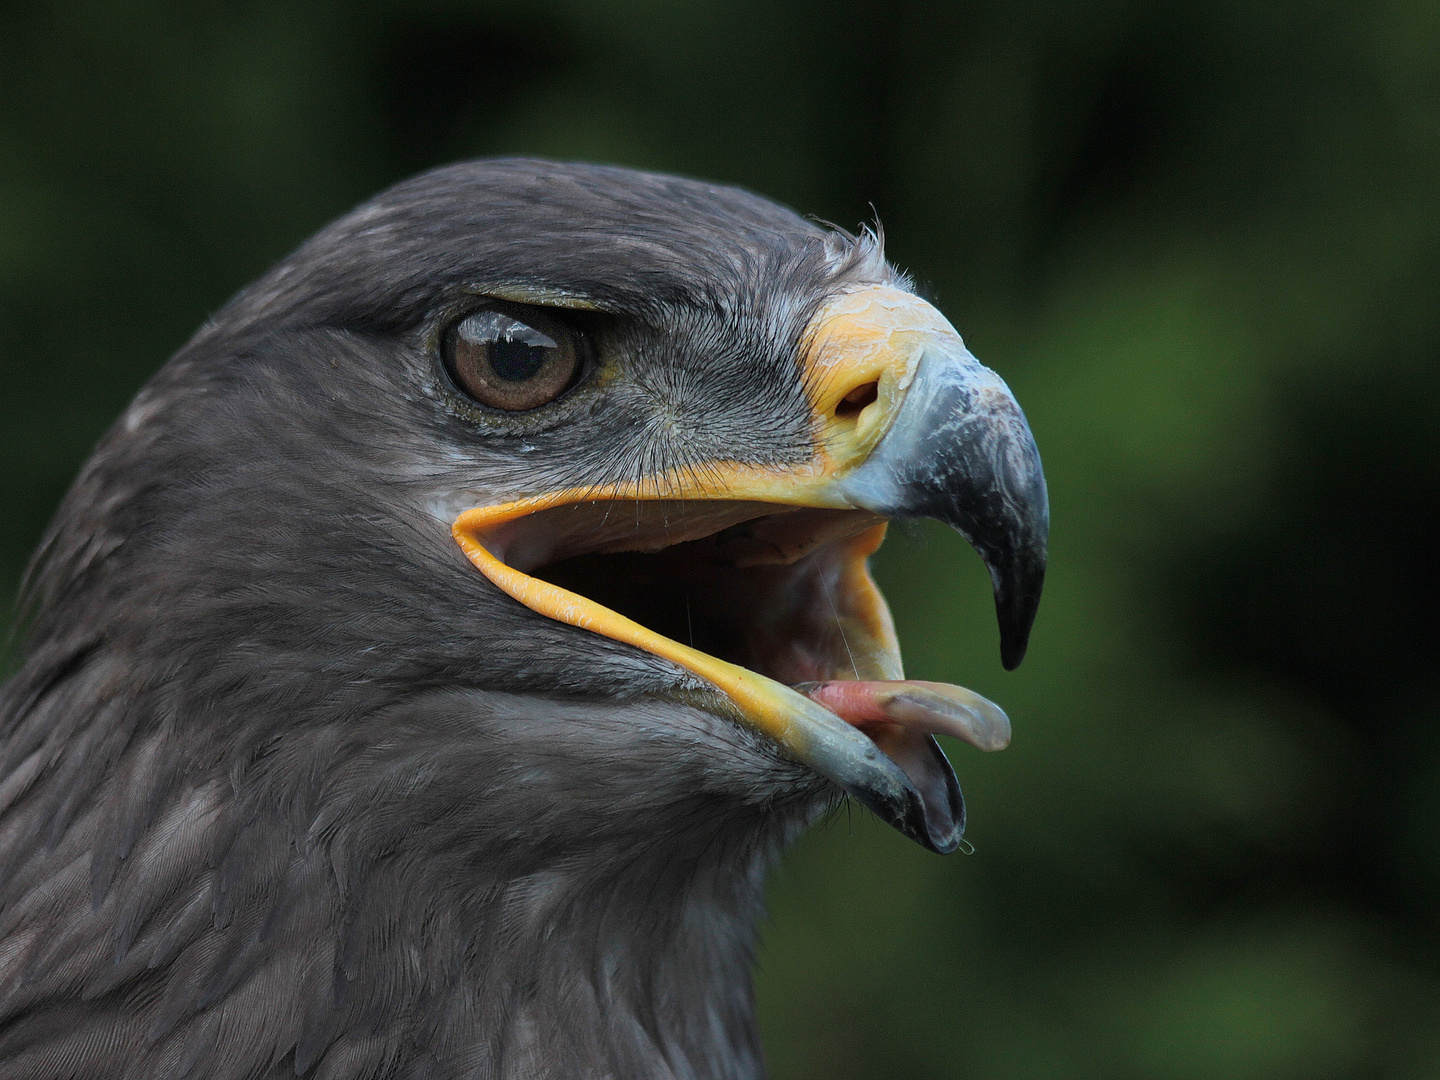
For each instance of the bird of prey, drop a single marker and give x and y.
(426, 668)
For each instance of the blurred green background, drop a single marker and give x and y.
(1202, 242)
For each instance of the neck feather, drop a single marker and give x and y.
(446, 881)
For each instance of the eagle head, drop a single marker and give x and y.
(425, 669)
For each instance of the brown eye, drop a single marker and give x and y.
(513, 362)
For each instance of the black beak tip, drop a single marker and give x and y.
(1012, 650)
(1015, 622)
(1014, 642)
(1016, 603)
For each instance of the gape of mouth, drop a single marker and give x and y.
(780, 590)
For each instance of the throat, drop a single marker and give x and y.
(617, 940)
(645, 975)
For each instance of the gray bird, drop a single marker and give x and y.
(425, 670)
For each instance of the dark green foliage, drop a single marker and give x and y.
(1201, 240)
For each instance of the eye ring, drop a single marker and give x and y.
(512, 357)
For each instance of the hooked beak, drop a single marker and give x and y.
(961, 452)
(908, 424)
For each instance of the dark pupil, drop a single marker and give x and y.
(516, 361)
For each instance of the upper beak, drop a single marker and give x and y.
(908, 424)
(960, 451)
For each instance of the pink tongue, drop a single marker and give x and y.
(929, 708)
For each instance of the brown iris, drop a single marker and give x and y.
(513, 359)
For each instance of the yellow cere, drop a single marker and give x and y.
(873, 334)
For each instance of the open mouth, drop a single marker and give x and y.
(769, 603)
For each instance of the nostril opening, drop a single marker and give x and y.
(853, 403)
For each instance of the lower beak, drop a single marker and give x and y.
(942, 438)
